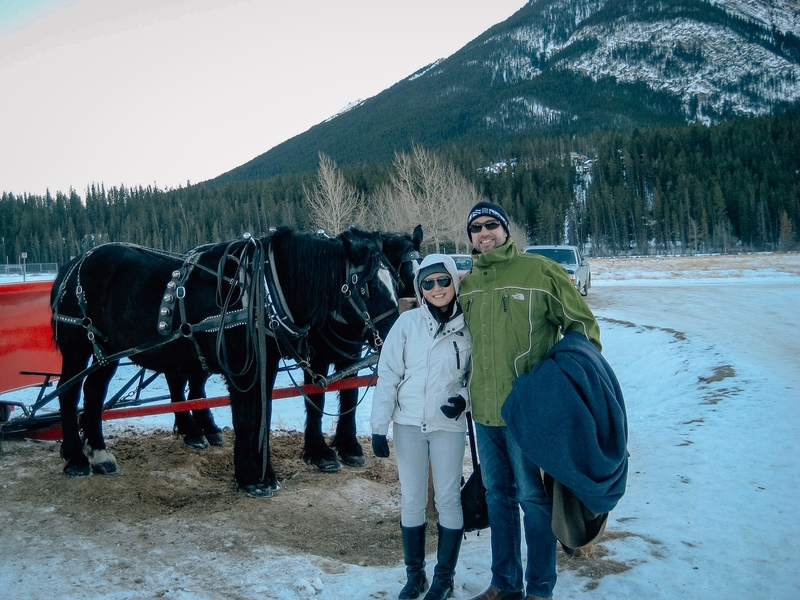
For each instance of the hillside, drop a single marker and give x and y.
(574, 67)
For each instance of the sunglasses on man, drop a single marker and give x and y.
(443, 281)
(490, 226)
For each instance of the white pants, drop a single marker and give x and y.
(444, 452)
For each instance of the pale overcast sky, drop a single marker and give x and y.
(161, 92)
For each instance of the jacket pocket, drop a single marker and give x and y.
(461, 361)
(516, 308)
(461, 350)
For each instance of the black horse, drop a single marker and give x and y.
(234, 308)
(339, 345)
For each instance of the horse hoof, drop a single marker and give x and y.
(199, 442)
(352, 460)
(82, 471)
(215, 439)
(258, 490)
(326, 465)
(105, 468)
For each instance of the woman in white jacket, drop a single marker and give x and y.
(422, 375)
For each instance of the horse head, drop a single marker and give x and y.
(402, 250)
(370, 290)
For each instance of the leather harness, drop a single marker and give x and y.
(253, 268)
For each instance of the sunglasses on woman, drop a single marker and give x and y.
(443, 281)
(490, 226)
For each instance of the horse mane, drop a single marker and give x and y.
(311, 270)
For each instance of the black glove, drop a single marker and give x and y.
(454, 407)
(380, 446)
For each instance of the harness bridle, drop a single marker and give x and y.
(359, 363)
(409, 256)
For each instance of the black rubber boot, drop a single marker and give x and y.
(446, 559)
(414, 555)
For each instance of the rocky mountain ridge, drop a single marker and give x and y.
(716, 69)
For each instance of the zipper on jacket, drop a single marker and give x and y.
(458, 357)
(505, 302)
(469, 303)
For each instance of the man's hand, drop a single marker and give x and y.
(454, 407)
(380, 446)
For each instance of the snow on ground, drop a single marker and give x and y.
(706, 351)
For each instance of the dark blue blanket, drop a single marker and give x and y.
(568, 415)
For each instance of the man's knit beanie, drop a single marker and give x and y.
(487, 209)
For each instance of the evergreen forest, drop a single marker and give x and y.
(731, 187)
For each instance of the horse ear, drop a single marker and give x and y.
(418, 236)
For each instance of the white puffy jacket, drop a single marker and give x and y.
(418, 372)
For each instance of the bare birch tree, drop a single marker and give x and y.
(386, 212)
(426, 191)
(334, 204)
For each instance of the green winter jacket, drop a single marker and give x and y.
(517, 306)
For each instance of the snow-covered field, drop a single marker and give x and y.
(706, 350)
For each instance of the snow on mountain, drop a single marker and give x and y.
(780, 14)
(693, 61)
(712, 67)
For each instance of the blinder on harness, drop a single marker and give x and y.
(360, 282)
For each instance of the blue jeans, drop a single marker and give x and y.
(512, 481)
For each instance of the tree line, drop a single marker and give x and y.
(727, 188)
(690, 189)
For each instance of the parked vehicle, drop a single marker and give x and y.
(463, 264)
(572, 260)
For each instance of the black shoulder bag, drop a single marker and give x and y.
(473, 494)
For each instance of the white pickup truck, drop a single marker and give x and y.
(572, 260)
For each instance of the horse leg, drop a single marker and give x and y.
(203, 416)
(94, 392)
(184, 422)
(345, 440)
(251, 461)
(315, 450)
(76, 463)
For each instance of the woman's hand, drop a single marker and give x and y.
(380, 446)
(454, 407)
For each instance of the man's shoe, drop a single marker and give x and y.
(494, 593)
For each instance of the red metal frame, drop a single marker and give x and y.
(53, 432)
(26, 338)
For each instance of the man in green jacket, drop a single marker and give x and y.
(517, 306)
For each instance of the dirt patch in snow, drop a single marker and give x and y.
(350, 516)
(180, 499)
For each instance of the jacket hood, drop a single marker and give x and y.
(434, 259)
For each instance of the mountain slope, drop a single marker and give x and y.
(571, 66)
